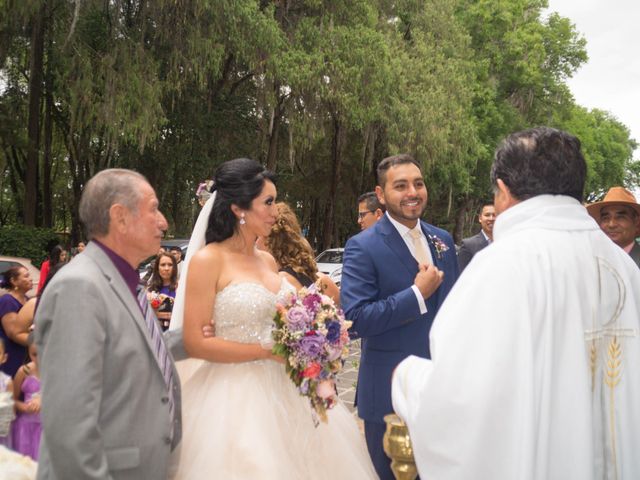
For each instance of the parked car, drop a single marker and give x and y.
(330, 263)
(7, 262)
(145, 267)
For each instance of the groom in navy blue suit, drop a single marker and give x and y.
(395, 276)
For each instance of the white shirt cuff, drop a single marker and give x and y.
(420, 298)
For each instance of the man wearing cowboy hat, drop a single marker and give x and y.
(618, 215)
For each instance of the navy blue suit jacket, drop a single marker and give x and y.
(376, 294)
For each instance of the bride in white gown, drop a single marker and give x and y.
(242, 416)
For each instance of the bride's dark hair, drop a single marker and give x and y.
(236, 182)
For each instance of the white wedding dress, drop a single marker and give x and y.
(247, 420)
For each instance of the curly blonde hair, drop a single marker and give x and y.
(288, 246)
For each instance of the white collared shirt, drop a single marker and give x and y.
(405, 234)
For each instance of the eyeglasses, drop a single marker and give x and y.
(361, 215)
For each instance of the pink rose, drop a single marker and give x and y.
(312, 371)
(334, 352)
(325, 389)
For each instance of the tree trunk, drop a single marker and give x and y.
(274, 128)
(367, 157)
(272, 152)
(47, 200)
(35, 93)
(16, 177)
(337, 146)
(458, 230)
(77, 150)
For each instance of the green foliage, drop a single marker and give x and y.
(319, 90)
(27, 242)
(607, 148)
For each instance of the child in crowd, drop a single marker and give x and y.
(7, 413)
(26, 393)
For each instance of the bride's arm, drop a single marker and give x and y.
(202, 278)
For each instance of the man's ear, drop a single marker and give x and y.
(118, 215)
(503, 198)
(378, 213)
(380, 194)
(502, 187)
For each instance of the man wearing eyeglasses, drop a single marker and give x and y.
(370, 210)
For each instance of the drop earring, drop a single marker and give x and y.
(242, 220)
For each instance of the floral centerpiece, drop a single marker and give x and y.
(311, 335)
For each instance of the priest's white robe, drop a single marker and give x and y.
(535, 370)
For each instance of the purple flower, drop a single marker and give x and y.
(298, 318)
(311, 344)
(333, 332)
(312, 302)
(304, 386)
(333, 351)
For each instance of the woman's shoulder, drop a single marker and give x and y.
(301, 278)
(208, 256)
(207, 263)
(268, 259)
(8, 303)
(212, 251)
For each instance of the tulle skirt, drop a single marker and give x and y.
(247, 421)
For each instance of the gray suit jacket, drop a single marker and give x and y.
(470, 246)
(635, 253)
(105, 408)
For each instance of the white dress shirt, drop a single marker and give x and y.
(405, 233)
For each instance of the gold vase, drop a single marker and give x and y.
(397, 445)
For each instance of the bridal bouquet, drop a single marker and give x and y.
(311, 335)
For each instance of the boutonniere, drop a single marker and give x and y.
(438, 244)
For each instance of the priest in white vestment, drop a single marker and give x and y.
(535, 370)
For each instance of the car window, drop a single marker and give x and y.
(330, 257)
(6, 265)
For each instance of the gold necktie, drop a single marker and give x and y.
(422, 256)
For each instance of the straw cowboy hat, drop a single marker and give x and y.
(615, 196)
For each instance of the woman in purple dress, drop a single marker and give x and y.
(162, 287)
(27, 426)
(17, 281)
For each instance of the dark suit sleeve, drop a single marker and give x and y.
(635, 253)
(359, 294)
(465, 254)
(71, 339)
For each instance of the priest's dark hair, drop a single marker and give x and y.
(237, 182)
(540, 161)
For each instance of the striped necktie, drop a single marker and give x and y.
(159, 348)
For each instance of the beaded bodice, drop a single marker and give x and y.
(244, 312)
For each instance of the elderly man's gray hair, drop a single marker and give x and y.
(106, 188)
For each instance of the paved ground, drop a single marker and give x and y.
(349, 376)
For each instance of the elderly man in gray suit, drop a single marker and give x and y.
(110, 392)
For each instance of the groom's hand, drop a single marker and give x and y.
(428, 279)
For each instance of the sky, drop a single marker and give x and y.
(610, 80)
